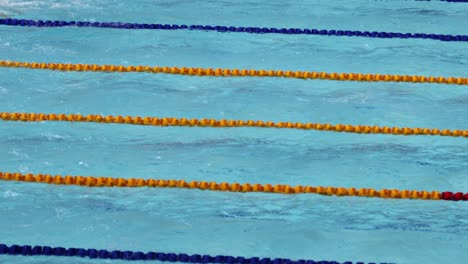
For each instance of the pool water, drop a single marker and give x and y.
(203, 222)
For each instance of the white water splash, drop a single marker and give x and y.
(9, 194)
(16, 153)
(12, 7)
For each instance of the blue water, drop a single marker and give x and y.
(265, 225)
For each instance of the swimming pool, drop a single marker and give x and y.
(304, 226)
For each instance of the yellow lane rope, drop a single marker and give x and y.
(214, 186)
(237, 72)
(223, 123)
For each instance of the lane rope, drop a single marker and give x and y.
(27, 250)
(218, 72)
(223, 123)
(256, 30)
(231, 187)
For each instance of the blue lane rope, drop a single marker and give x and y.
(255, 30)
(27, 250)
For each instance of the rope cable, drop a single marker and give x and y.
(218, 72)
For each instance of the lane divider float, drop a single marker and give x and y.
(233, 29)
(223, 123)
(231, 187)
(218, 72)
(27, 250)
